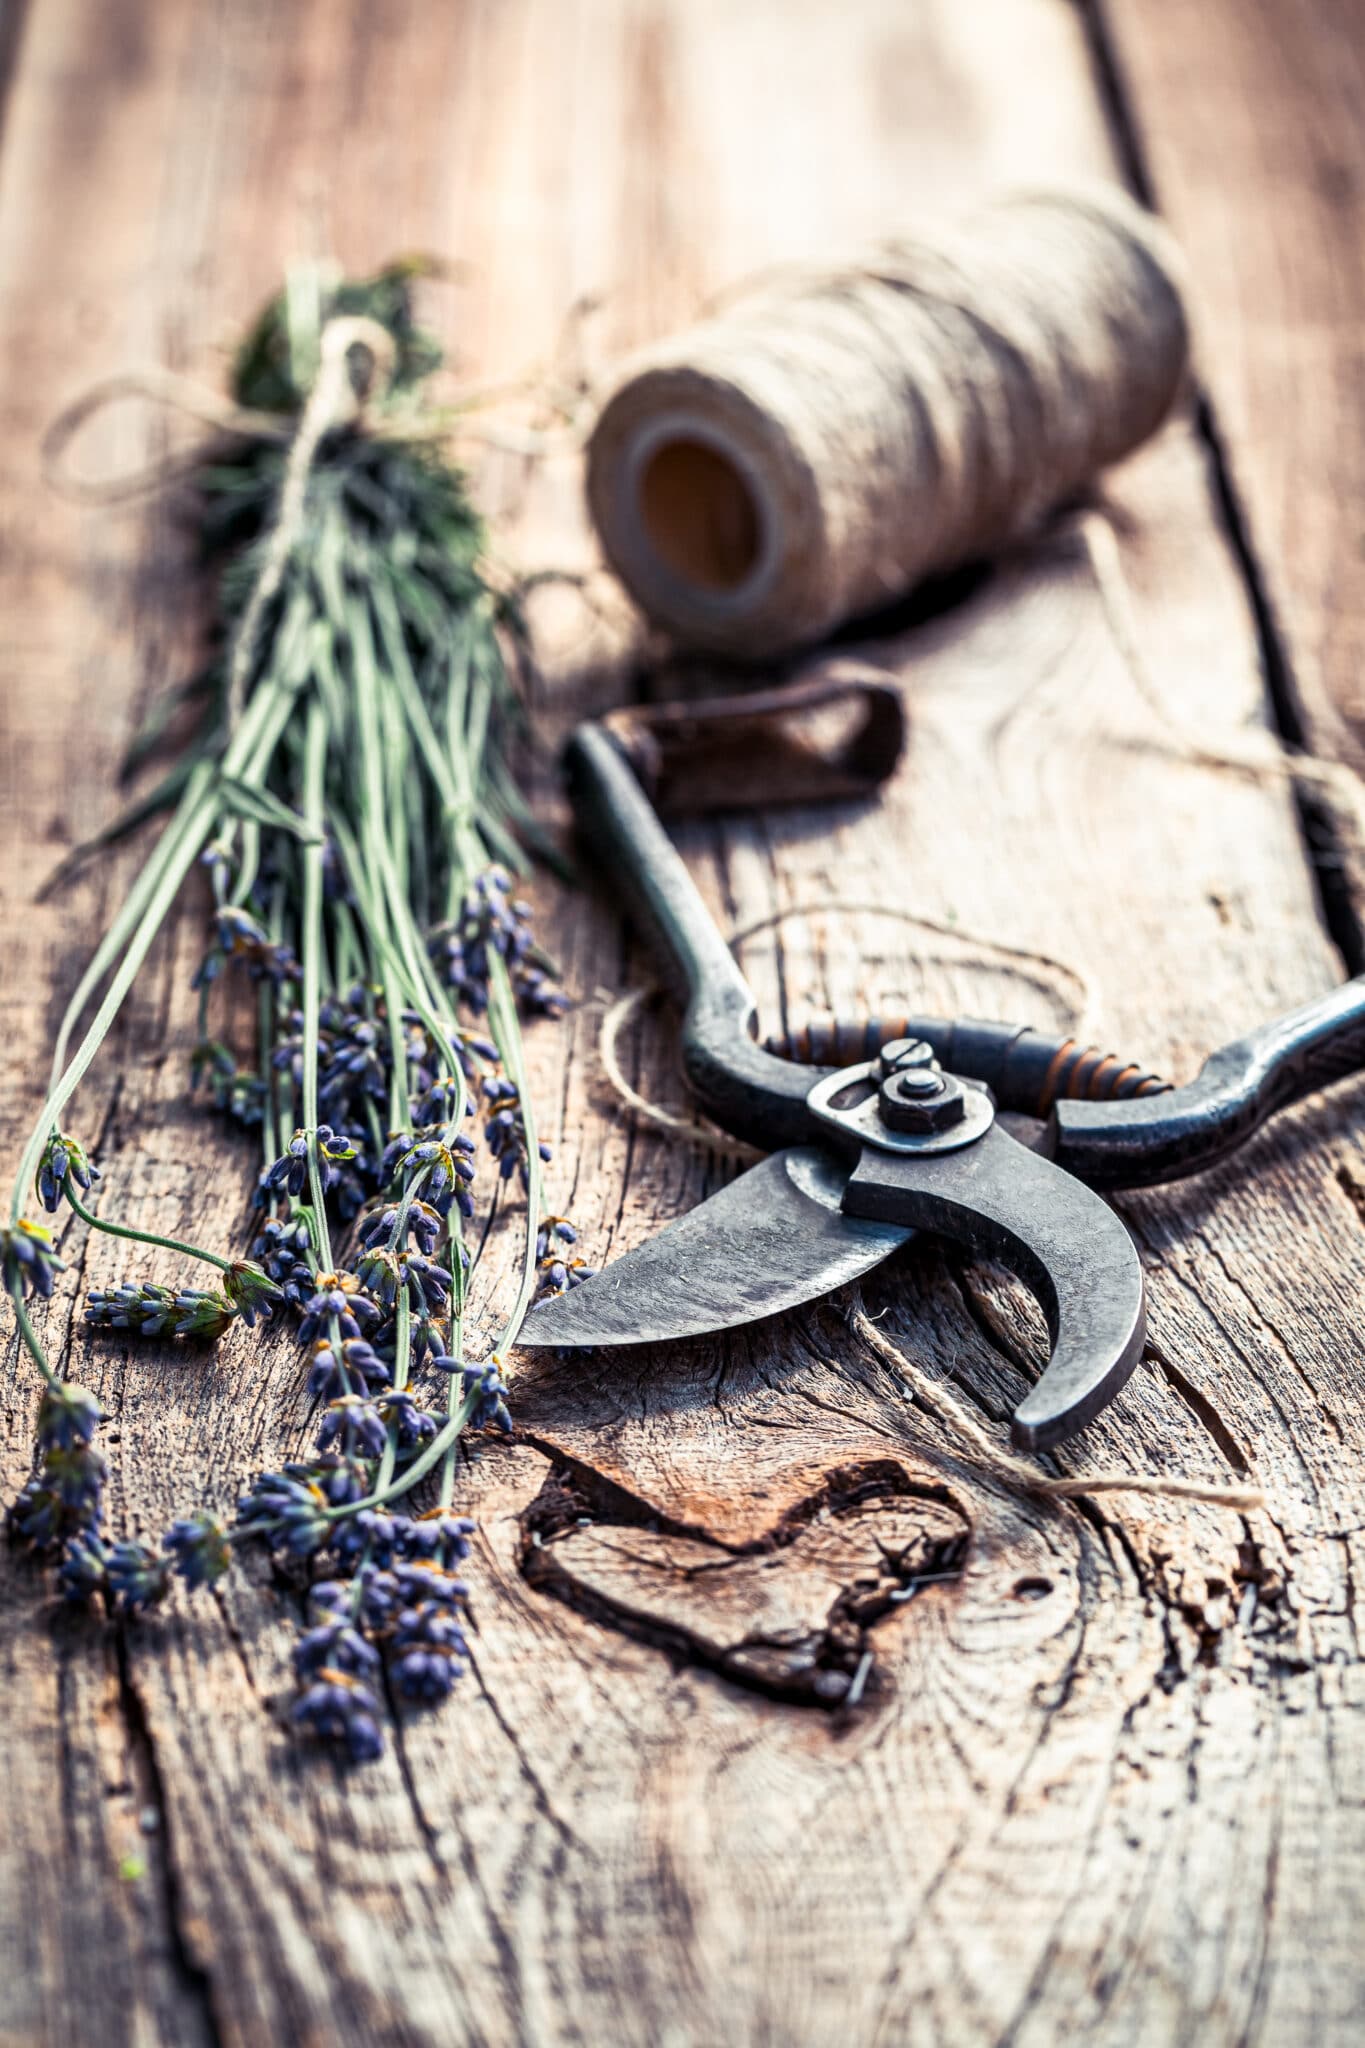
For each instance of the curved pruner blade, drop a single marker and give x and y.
(771, 1240)
(1064, 1243)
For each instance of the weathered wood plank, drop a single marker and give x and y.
(1103, 1783)
(1247, 123)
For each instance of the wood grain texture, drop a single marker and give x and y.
(1105, 1782)
(1248, 125)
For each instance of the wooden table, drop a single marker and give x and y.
(1107, 1781)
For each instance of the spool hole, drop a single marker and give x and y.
(699, 514)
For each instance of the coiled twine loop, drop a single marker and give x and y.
(834, 437)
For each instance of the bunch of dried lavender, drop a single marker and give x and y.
(348, 792)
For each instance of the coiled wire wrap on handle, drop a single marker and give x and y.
(1027, 1071)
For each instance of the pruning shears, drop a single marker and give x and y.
(903, 1132)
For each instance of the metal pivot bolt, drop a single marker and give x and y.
(921, 1099)
(899, 1053)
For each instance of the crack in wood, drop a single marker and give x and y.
(1325, 836)
(196, 1981)
(1201, 1406)
(749, 1632)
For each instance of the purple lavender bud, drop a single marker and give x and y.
(136, 1577)
(338, 1708)
(63, 1156)
(291, 1513)
(81, 1573)
(198, 1549)
(337, 1644)
(356, 1423)
(439, 1536)
(412, 1425)
(28, 1260)
(423, 1674)
(67, 1415)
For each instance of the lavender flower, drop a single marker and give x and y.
(553, 1231)
(292, 1512)
(428, 1643)
(340, 1370)
(439, 1536)
(340, 1477)
(487, 1382)
(290, 1172)
(370, 1535)
(338, 1708)
(340, 1299)
(448, 1168)
(63, 1155)
(440, 1102)
(239, 937)
(358, 1062)
(135, 1577)
(505, 1131)
(67, 1415)
(28, 1259)
(373, 1595)
(198, 1549)
(234, 1090)
(356, 1423)
(282, 1249)
(428, 1335)
(423, 1223)
(153, 1311)
(337, 1644)
(490, 922)
(81, 1573)
(63, 1499)
(255, 1295)
(557, 1273)
(411, 1424)
(387, 1274)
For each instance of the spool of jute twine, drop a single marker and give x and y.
(832, 438)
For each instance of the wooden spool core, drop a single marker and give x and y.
(699, 515)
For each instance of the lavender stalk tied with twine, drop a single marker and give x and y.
(347, 792)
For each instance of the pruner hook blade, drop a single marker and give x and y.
(1062, 1241)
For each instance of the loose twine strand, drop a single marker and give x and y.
(1016, 1472)
(160, 387)
(561, 392)
(357, 358)
(1263, 758)
(676, 1124)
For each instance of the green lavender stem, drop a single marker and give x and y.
(30, 1337)
(141, 919)
(315, 754)
(163, 895)
(169, 1244)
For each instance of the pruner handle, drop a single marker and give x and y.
(1164, 1137)
(748, 1091)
